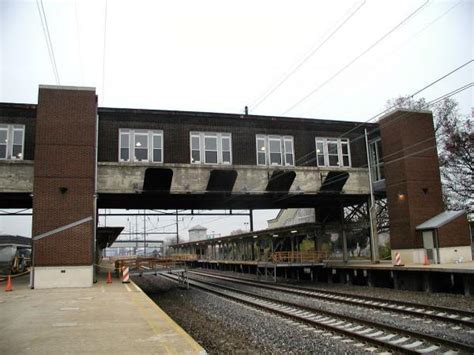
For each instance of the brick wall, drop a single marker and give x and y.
(411, 175)
(64, 158)
(455, 233)
(177, 125)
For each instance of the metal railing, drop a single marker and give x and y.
(298, 256)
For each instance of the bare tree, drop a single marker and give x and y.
(455, 142)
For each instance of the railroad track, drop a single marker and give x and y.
(445, 314)
(375, 333)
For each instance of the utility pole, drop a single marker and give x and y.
(374, 241)
(177, 225)
(144, 232)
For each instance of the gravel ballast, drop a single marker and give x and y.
(222, 326)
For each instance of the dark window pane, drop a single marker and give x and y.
(195, 156)
(261, 158)
(141, 154)
(226, 157)
(333, 160)
(275, 158)
(382, 173)
(157, 155)
(320, 160)
(124, 154)
(289, 159)
(345, 159)
(3, 136)
(260, 145)
(17, 152)
(3, 151)
(344, 149)
(288, 147)
(211, 157)
(332, 148)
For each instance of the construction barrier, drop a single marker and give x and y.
(125, 275)
(398, 259)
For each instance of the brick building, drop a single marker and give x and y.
(65, 157)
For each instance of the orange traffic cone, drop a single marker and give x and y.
(9, 284)
(109, 277)
(426, 262)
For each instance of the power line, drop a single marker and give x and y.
(372, 46)
(309, 157)
(49, 43)
(379, 63)
(302, 61)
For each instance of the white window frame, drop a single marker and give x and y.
(131, 145)
(202, 149)
(376, 163)
(340, 156)
(10, 130)
(281, 139)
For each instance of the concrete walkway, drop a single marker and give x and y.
(104, 319)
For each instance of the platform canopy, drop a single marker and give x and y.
(440, 220)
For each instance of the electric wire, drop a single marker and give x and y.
(302, 61)
(379, 62)
(47, 37)
(350, 63)
(361, 136)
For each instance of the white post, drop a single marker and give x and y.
(374, 244)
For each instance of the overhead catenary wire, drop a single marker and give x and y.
(379, 62)
(444, 76)
(428, 104)
(312, 156)
(49, 42)
(347, 16)
(355, 59)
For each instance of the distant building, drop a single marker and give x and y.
(197, 233)
(292, 216)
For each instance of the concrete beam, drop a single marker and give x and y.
(16, 176)
(128, 178)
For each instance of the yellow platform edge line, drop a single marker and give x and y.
(194, 344)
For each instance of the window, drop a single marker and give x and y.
(211, 148)
(140, 146)
(333, 152)
(275, 150)
(12, 139)
(376, 160)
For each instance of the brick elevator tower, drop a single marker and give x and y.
(64, 189)
(414, 195)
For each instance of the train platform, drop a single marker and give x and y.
(111, 318)
(465, 267)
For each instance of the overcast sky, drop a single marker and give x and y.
(219, 56)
